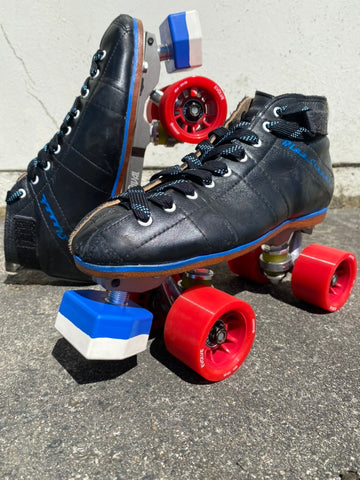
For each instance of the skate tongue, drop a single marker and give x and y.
(248, 108)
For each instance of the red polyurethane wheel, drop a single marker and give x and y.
(210, 331)
(248, 266)
(324, 276)
(191, 108)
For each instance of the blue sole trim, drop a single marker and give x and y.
(191, 261)
(127, 122)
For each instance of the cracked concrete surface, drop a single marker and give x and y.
(20, 59)
(47, 54)
(32, 85)
(44, 108)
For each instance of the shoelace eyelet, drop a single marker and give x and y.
(103, 55)
(276, 111)
(258, 143)
(145, 224)
(244, 159)
(35, 180)
(194, 196)
(228, 173)
(210, 185)
(84, 95)
(171, 209)
(96, 74)
(68, 130)
(22, 193)
(265, 127)
(47, 167)
(77, 113)
(58, 150)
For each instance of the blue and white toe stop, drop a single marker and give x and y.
(100, 330)
(181, 33)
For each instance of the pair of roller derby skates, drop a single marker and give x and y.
(245, 196)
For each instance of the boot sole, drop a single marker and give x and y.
(141, 271)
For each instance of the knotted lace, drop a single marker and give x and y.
(53, 147)
(198, 168)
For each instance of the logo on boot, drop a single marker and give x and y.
(58, 228)
(291, 146)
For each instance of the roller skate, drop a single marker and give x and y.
(100, 146)
(244, 196)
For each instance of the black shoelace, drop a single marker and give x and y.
(199, 167)
(45, 156)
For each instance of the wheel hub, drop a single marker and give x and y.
(217, 335)
(193, 110)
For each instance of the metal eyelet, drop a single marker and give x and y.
(244, 159)
(57, 150)
(68, 130)
(35, 181)
(77, 113)
(84, 95)
(228, 173)
(171, 209)
(276, 112)
(257, 144)
(145, 224)
(22, 193)
(97, 73)
(210, 185)
(194, 196)
(265, 127)
(103, 55)
(47, 167)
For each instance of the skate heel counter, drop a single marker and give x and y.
(322, 149)
(322, 146)
(328, 165)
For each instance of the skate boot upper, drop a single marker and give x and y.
(78, 169)
(269, 167)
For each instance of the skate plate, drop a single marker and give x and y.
(180, 49)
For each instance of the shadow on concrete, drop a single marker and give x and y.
(160, 353)
(85, 371)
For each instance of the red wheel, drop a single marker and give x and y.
(191, 108)
(210, 331)
(324, 276)
(248, 266)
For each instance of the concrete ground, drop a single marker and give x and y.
(291, 411)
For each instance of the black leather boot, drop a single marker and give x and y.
(82, 165)
(99, 149)
(266, 171)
